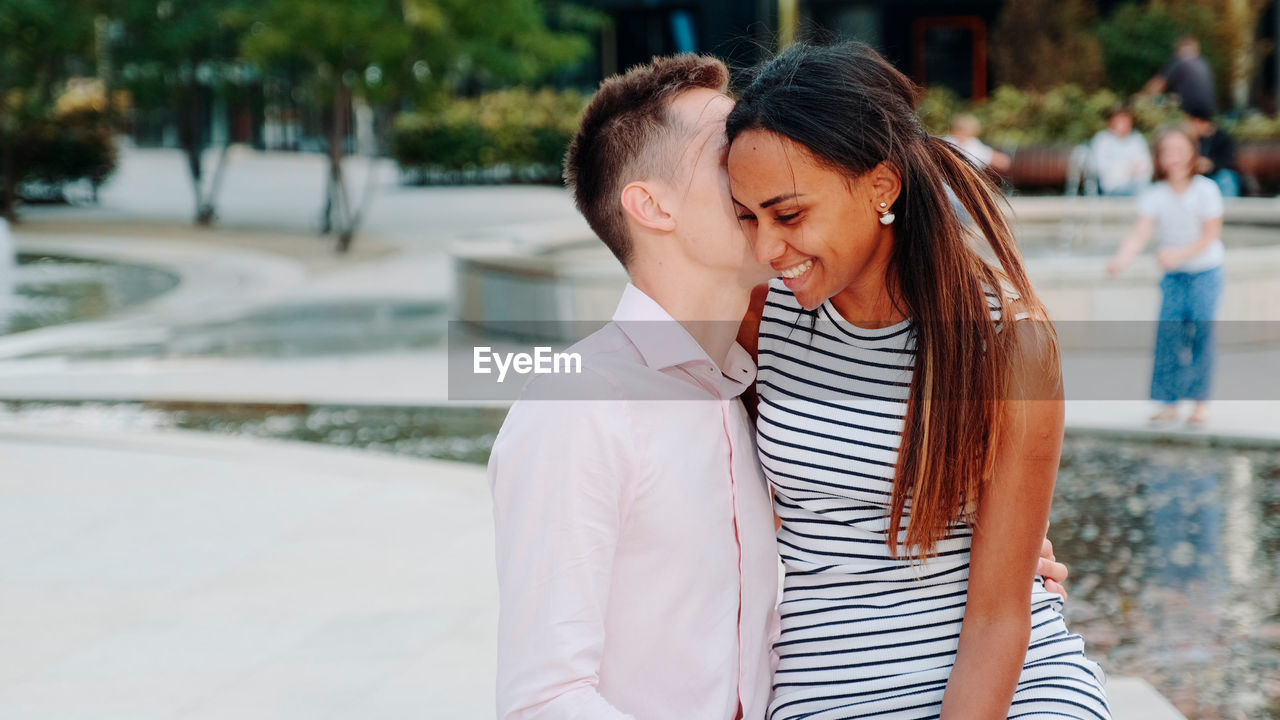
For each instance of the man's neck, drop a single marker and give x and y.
(709, 310)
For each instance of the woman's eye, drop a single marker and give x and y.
(746, 217)
(788, 218)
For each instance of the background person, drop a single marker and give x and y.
(1189, 77)
(1217, 159)
(1121, 156)
(965, 129)
(1184, 213)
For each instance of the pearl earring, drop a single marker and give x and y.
(886, 217)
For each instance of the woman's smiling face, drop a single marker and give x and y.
(816, 227)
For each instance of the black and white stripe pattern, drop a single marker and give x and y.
(866, 635)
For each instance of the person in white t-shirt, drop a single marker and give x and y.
(965, 129)
(1121, 156)
(1184, 213)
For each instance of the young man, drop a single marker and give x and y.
(637, 565)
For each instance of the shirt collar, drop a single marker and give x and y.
(665, 343)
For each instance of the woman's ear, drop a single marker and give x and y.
(886, 184)
(640, 202)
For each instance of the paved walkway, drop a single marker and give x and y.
(283, 192)
(182, 576)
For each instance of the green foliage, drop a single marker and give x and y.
(170, 45)
(65, 148)
(1065, 115)
(936, 108)
(1255, 127)
(38, 40)
(385, 48)
(524, 132)
(41, 42)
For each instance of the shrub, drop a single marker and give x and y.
(1255, 127)
(51, 152)
(1065, 115)
(510, 135)
(65, 148)
(936, 108)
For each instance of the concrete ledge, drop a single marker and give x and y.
(214, 283)
(1135, 699)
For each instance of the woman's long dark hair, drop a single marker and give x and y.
(853, 110)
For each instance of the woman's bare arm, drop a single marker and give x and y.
(1013, 512)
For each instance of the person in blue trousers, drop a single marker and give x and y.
(1184, 213)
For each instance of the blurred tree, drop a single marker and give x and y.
(1039, 44)
(40, 43)
(172, 55)
(381, 52)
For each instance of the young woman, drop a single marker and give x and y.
(910, 432)
(1184, 212)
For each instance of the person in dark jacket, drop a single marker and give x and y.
(1217, 155)
(1189, 77)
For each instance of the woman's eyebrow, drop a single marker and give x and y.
(780, 198)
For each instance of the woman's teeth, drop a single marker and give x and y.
(797, 271)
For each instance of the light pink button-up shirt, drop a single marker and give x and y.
(637, 565)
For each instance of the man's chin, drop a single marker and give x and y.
(759, 274)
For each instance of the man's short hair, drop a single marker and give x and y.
(620, 139)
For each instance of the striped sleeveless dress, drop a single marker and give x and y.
(864, 634)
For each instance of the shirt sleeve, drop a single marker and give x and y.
(557, 484)
(1148, 203)
(1211, 201)
(981, 151)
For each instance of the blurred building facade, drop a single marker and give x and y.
(936, 42)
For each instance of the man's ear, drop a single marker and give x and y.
(886, 183)
(640, 202)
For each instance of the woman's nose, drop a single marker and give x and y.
(767, 244)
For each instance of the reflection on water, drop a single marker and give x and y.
(1175, 558)
(450, 433)
(50, 290)
(1174, 550)
(310, 329)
